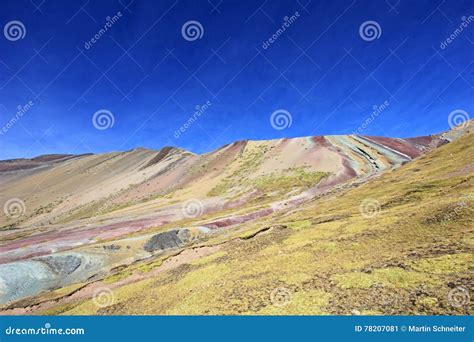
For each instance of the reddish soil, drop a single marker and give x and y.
(229, 221)
(397, 145)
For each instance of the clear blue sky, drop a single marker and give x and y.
(151, 79)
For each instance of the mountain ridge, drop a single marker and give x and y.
(59, 155)
(101, 210)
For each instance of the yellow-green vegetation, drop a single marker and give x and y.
(221, 188)
(250, 158)
(390, 277)
(329, 257)
(59, 309)
(299, 303)
(278, 182)
(297, 178)
(64, 291)
(209, 259)
(147, 267)
(299, 224)
(117, 277)
(446, 264)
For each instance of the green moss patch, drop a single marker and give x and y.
(280, 182)
(117, 277)
(446, 264)
(390, 277)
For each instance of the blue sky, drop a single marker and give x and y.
(143, 71)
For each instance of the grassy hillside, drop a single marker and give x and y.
(399, 244)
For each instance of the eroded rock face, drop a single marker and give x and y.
(112, 247)
(22, 279)
(173, 239)
(63, 264)
(164, 241)
(25, 278)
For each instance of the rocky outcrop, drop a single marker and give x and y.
(62, 264)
